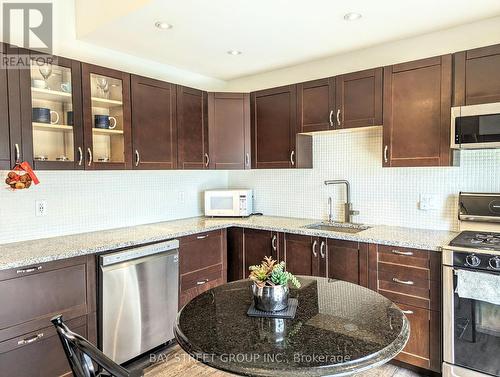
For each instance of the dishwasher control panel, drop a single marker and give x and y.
(138, 252)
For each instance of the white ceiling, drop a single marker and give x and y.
(270, 33)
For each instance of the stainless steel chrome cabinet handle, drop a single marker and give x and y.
(407, 311)
(331, 118)
(338, 117)
(30, 340)
(273, 243)
(201, 282)
(28, 270)
(407, 253)
(207, 160)
(322, 249)
(405, 282)
(386, 159)
(247, 159)
(292, 158)
(201, 237)
(18, 152)
(90, 157)
(80, 156)
(315, 243)
(137, 158)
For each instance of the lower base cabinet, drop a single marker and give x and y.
(202, 264)
(29, 344)
(411, 278)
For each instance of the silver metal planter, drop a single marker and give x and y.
(270, 299)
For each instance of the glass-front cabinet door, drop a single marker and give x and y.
(106, 110)
(52, 112)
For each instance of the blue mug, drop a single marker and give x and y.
(43, 115)
(104, 121)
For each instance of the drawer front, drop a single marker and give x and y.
(420, 292)
(42, 295)
(404, 256)
(200, 278)
(200, 251)
(199, 236)
(189, 294)
(404, 273)
(419, 302)
(403, 282)
(418, 349)
(42, 357)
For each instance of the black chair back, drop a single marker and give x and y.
(81, 353)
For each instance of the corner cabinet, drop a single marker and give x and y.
(229, 130)
(417, 116)
(154, 126)
(274, 127)
(476, 78)
(106, 118)
(192, 128)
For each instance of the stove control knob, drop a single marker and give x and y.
(494, 263)
(472, 260)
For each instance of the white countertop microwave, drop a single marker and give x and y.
(228, 203)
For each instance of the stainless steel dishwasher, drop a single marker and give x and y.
(138, 295)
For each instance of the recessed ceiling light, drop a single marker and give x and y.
(352, 16)
(234, 52)
(163, 25)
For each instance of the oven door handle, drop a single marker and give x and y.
(448, 315)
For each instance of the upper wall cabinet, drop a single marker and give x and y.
(274, 127)
(192, 128)
(359, 99)
(106, 118)
(476, 76)
(417, 101)
(154, 128)
(51, 114)
(5, 142)
(316, 105)
(229, 130)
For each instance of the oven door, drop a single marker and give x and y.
(471, 330)
(476, 126)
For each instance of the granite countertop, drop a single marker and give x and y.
(339, 329)
(18, 254)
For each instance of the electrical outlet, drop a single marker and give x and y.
(428, 202)
(182, 196)
(41, 208)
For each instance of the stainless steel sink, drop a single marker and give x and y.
(338, 227)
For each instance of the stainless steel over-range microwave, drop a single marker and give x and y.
(228, 203)
(475, 126)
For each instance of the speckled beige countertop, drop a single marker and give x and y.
(18, 254)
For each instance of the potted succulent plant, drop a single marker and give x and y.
(270, 288)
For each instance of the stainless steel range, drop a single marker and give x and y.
(471, 290)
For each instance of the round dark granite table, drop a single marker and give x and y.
(339, 329)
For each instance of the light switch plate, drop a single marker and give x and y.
(40, 207)
(428, 202)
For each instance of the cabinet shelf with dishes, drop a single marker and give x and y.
(106, 131)
(106, 103)
(51, 95)
(52, 127)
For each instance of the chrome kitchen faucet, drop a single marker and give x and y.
(348, 212)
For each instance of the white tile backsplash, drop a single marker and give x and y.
(382, 195)
(81, 201)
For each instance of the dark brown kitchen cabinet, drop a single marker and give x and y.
(229, 130)
(476, 78)
(202, 263)
(348, 261)
(192, 129)
(411, 278)
(36, 293)
(316, 105)
(57, 142)
(274, 126)
(301, 254)
(359, 98)
(106, 118)
(417, 101)
(154, 126)
(248, 247)
(5, 142)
